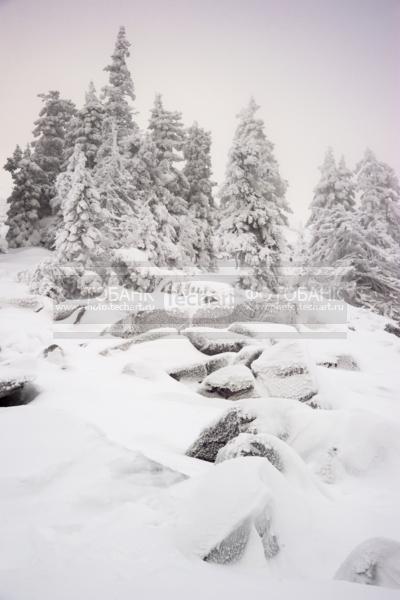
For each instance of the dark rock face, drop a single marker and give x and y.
(231, 549)
(392, 329)
(215, 437)
(210, 344)
(248, 444)
(15, 391)
(373, 562)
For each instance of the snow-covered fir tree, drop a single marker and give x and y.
(24, 201)
(168, 136)
(86, 128)
(119, 94)
(197, 169)
(332, 219)
(253, 205)
(50, 143)
(79, 240)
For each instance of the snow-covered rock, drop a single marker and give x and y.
(283, 372)
(339, 361)
(56, 355)
(374, 562)
(248, 355)
(230, 382)
(219, 513)
(215, 343)
(217, 435)
(249, 444)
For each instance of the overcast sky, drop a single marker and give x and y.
(325, 72)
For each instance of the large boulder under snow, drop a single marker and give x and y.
(215, 437)
(374, 562)
(232, 382)
(250, 444)
(219, 514)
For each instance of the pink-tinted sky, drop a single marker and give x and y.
(325, 72)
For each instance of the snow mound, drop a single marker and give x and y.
(374, 562)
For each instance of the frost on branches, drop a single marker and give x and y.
(253, 205)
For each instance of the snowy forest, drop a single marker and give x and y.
(91, 182)
(199, 392)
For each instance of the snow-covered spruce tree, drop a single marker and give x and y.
(156, 225)
(24, 201)
(120, 92)
(379, 190)
(372, 263)
(117, 192)
(253, 206)
(168, 136)
(79, 240)
(50, 143)
(86, 128)
(200, 200)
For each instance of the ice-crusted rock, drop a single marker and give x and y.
(210, 343)
(232, 382)
(392, 329)
(212, 439)
(339, 361)
(55, 354)
(248, 355)
(284, 373)
(374, 562)
(232, 547)
(249, 444)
